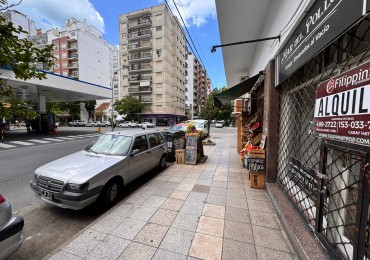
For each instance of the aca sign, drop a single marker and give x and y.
(342, 107)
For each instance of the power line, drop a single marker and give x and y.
(188, 34)
(193, 34)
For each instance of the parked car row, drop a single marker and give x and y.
(89, 124)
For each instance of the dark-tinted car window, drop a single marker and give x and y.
(140, 143)
(153, 140)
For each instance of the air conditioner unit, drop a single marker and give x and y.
(242, 78)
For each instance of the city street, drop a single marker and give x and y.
(43, 222)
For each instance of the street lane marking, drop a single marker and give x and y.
(21, 143)
(53, 139)
(65, 138)
(7, 145)
(75, 136)
(39, 141)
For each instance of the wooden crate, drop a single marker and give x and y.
(180, 156)
(256, 154)
(257, 180)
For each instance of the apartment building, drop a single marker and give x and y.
(81, 53)
(19, 19)
(152, 47)
(198, 86)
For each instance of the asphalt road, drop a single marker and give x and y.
(46, 227)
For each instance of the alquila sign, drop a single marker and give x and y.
(325, 21)
(342, 107)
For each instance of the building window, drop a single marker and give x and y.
(65, 73)
(158, 28)
(56, 56)
(64, 64)
(64, 46)
(64, 55)
(73, 34)
(56, 47)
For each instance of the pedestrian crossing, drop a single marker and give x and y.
(47, 140)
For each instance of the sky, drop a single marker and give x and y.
(199, 15)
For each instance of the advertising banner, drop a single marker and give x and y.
(325, 21)
(342, 107)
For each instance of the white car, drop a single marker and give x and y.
(100, 171)
(77, 123)
(128, 124)
(11, 229)
(147, 125)
(91, 124)
(219, 124)
(103, 123)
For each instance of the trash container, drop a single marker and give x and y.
(175, 140)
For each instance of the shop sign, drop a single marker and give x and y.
(303, 176)
(256, 164)
(342, 107)
(325, 21)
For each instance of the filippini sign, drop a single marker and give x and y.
(325, 21)
(342, 107)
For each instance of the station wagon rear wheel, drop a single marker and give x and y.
(162, 163)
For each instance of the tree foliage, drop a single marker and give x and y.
(129, 105)
(90, 107)
(21, 56)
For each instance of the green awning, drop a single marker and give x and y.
(235, 92)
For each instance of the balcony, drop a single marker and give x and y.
(140, 68)
(73, 56)
(137, 78)
(139, 57)
(73, 66)
(72, 47)
(145, 89)
(72, 39)
(74, 75)
(139, 46)
(146, 100)
(139, 34)
(139, 23)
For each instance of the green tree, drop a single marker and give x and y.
(129, 105)
(90, 107)
(21, 56)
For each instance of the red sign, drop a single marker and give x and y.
(342, 107)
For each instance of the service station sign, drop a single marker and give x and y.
(342, 107)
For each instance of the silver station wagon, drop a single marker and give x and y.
(101, 170)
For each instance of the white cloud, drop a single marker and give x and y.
(53, 13)
(194, 12)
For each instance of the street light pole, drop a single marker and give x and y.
(114, 74)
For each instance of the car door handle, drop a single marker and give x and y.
(148, 152)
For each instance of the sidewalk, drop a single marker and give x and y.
(204, 211)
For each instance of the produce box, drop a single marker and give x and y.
(256, 153)
(257, 180)
(180, 156)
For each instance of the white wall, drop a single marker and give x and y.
(283, 16)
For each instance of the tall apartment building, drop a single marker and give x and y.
(152, 46)
(19, 19)
(81, 53)
(198, 86)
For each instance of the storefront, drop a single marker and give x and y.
(323, 154)
(314, 105)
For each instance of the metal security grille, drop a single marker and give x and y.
(299, 150)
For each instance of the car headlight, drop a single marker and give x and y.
(35, 176)
(72, 187)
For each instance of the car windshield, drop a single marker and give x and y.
(111, 144)
(178, 128)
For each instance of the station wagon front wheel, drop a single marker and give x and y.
(109, 194)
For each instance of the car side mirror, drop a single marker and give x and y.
(134, 152)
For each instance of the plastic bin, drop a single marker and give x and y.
(175, 141)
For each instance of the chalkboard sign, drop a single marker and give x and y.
(256, 164)
(191, 149)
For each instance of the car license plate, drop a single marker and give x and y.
(47, 194)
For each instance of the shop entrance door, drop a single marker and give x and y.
(343, 219)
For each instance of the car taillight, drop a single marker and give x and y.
(2, 199)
